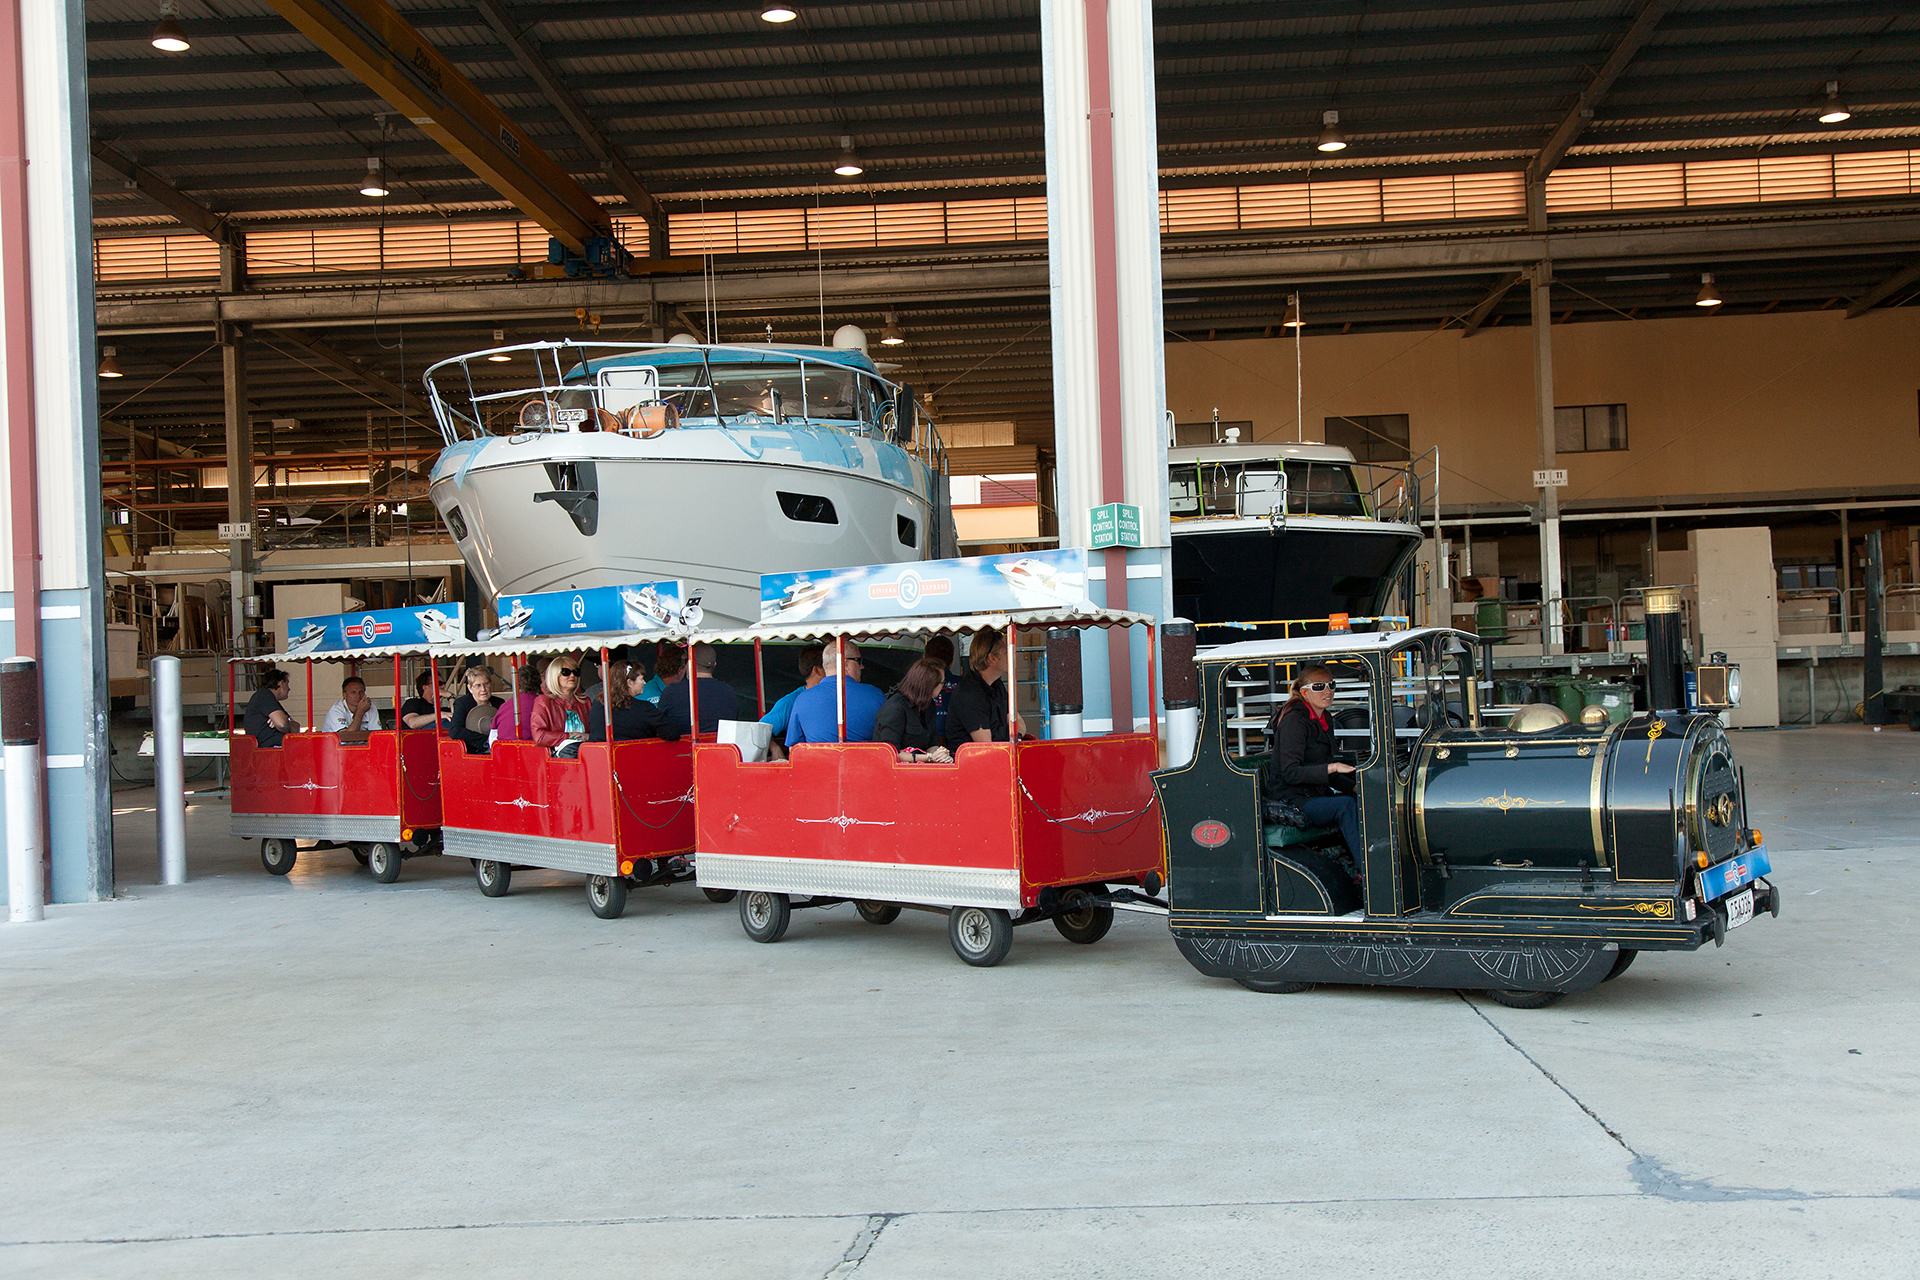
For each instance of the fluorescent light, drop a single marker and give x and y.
(168, 35)
(1708, 295)
(375, 186)
(778, 13)
(1331, 139)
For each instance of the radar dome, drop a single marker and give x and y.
(850, 337)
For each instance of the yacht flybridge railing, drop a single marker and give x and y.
(541, 387)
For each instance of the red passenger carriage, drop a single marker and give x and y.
(379, 798)
(1010, 833)
(619, 813)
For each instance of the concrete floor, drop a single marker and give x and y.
(321, 1076)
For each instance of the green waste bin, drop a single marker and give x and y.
(1614, 697)
(1490, 619)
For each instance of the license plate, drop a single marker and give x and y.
(1739, 909)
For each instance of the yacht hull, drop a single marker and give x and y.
(716, 523)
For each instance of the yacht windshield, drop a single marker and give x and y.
(768, 391)
(1226, 489)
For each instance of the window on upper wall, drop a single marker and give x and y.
(1589, 428)
(1379, 437)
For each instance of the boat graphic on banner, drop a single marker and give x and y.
(982, 584)
(639, 606)
(376, 629)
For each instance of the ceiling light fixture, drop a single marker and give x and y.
(376, 184)
(1708, 295)
(110, 363)
(778, 13)
(1331, 139)
(499, 357)
(168, 35)
(849, 166)
(1836, 110)
(1293, 320)
(891, 335)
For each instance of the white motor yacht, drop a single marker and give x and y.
(1266, 533)
(571, 465)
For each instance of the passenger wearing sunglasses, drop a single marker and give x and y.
(1304, 770)
(560, 714)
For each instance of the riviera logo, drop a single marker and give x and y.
(369, 628)
(579, 608)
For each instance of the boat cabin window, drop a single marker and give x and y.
(1251, 692)
(774, 392)
(1257, 488)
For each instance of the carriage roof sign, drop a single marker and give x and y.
(375, 629)
(986, 584)
(636, 606)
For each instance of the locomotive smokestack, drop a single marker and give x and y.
(1666, 679)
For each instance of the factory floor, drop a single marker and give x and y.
(321, 1076)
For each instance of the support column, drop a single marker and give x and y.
(233, 366)
(1551, 587)
(1108, 346)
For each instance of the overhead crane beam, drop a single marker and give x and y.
(383, 49)
(528, 55)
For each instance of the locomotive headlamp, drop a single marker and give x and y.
(1717, 684)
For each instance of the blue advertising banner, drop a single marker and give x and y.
(982, 584)
(641, 606)
(376, 629)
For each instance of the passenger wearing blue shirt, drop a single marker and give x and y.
(776, 717)
(813, 718)
(668, 664)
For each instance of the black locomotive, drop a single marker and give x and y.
(1528, 858)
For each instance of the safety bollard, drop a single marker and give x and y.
(1064, 709)
(169, 769)
(1177, 643)
(20, 741)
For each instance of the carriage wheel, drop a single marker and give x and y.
(383, 862)
(359, 853)
(493, 877)
(1083, 920)
(1527, 999)
(1621, 965)
(878, 912)
(1274, 988)
(278, 856)
(607, 895)
(719, 895)
(765, 916)
(981, 936)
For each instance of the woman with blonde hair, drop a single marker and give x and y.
(560, 715)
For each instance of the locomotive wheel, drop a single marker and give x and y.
(719, 895)
(1274, 988)
(278, 856)
(878, 912)
(1527, 999)
(493, 878)
(1084, 920)
(765, 916)
(383, 862)
(981, 936)
(1621, 965)
(607, 895)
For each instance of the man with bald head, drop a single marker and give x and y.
(815, 711)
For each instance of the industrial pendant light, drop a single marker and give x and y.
(776, 12)
(1331, 139)
(1293, 320)
(849, 166)
(168, 35)
(110, 363)
(1708, 295)
(376, 184)
(499, 357)
(891, 335)
(1836, 110)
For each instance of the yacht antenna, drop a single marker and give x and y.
(1299, 387)
(1216, 424)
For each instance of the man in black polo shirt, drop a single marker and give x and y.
(266, 720)
(977, 707)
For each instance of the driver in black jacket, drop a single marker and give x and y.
(1303, 770)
